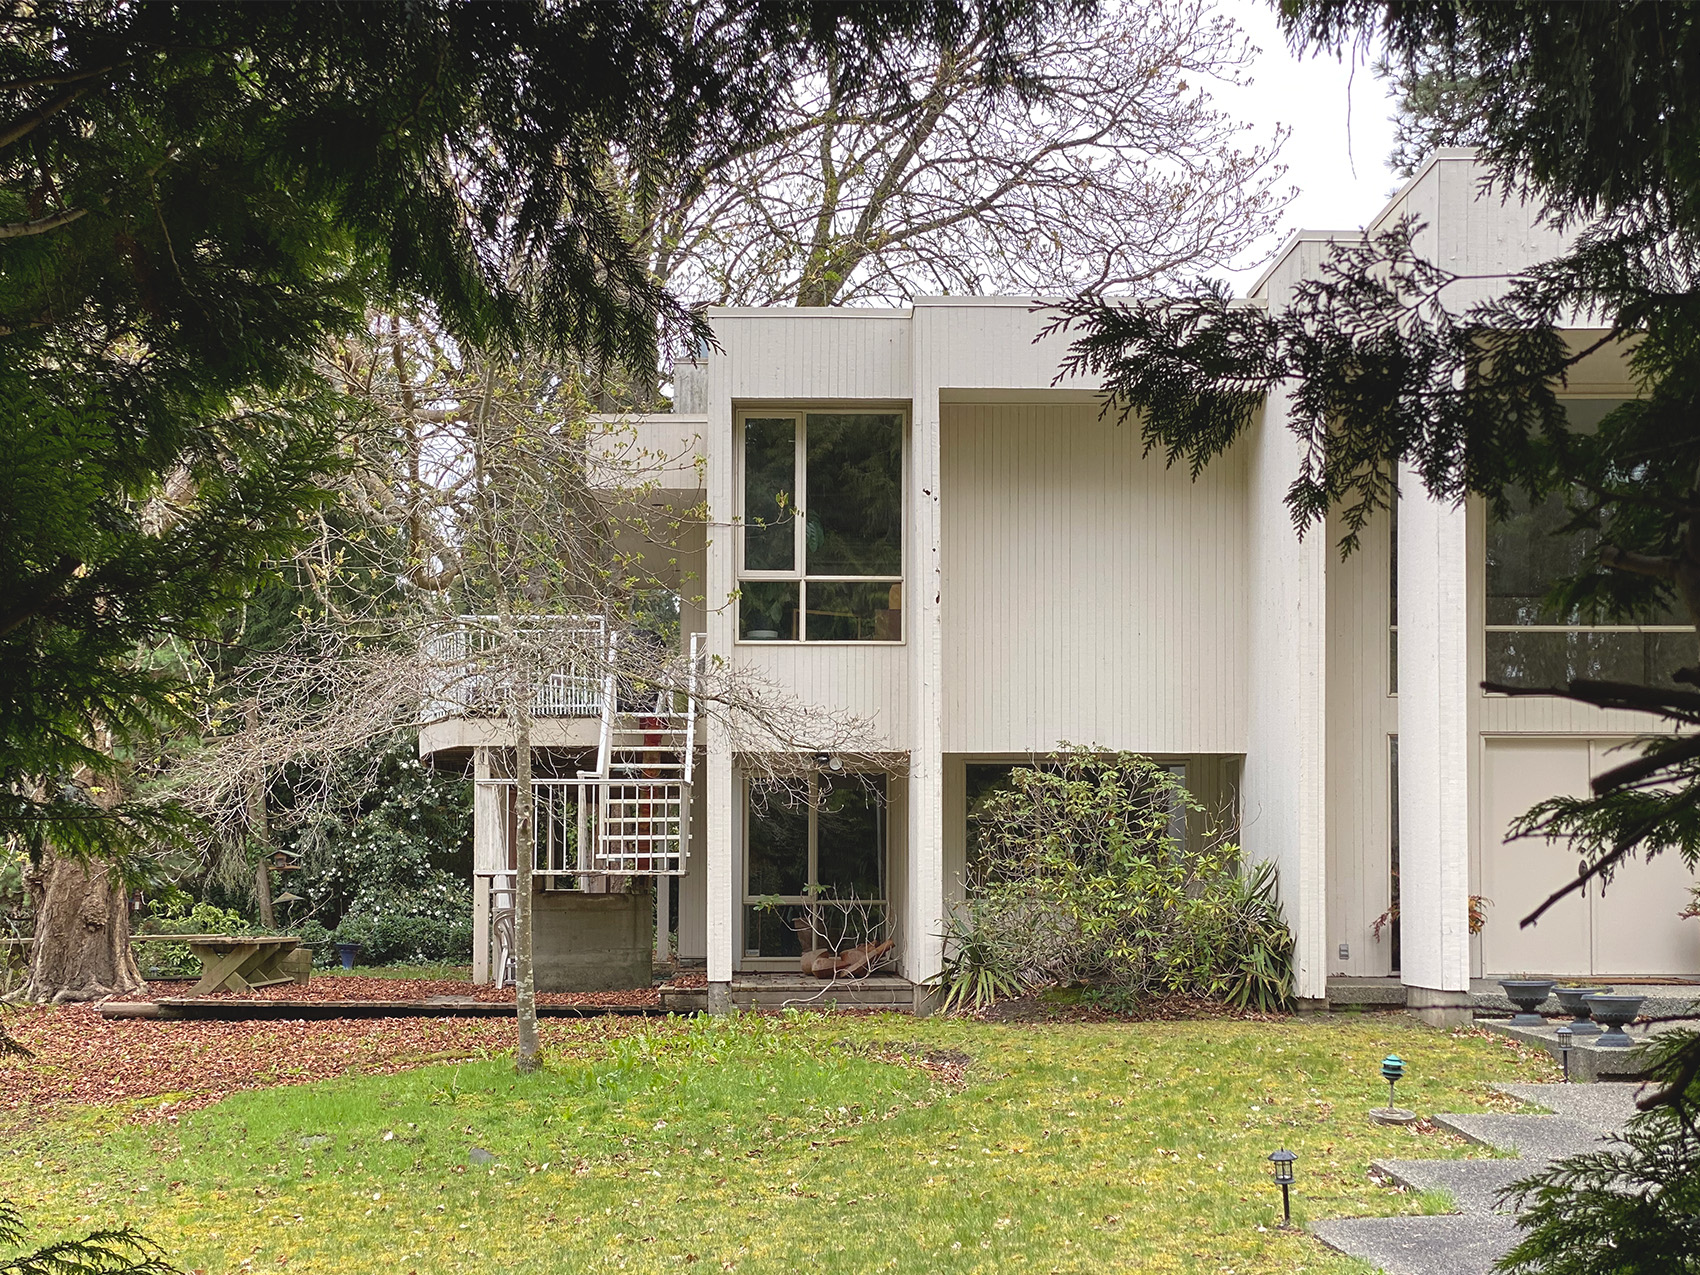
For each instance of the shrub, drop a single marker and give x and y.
(1634, 1200)
(430, 922)
(318, 940)
(1082, 879)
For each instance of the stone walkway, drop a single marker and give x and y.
(1469, 1241)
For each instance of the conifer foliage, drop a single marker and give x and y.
(193, 197)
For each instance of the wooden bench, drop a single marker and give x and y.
(237, 963)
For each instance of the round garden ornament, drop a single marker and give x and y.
(1392, 1071)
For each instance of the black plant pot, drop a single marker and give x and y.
(348, 951)
(1614, 1012)
(1528, 995)
(1575, 1002)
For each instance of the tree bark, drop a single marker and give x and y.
(82, 934)
(260, 832)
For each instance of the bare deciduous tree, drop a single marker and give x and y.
(1118, 171)
(495, 494)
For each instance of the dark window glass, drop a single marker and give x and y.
(850, 837)
(770, 487)
(841, 611)
(779, 845)
(1552, 659)
(767, 610)
(855, 501)
(1527, 554)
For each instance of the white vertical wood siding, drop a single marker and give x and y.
(869, 680)
(806, 354)
(1362, 718)
(1090, 594)
(975, 343)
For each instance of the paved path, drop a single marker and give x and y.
(1469, 1241)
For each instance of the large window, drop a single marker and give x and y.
(1529, 644)
(815, 865)
(823, 528)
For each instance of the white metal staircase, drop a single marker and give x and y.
(631, 815)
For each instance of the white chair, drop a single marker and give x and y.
(503, 938)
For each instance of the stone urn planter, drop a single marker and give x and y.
(1575, 1002)
(1614, 1011)
(1528, 995)
(347, 952)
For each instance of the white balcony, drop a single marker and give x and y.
(464, 677)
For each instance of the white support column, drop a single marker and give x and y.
(489, 854)
(923, 946)
(1284, 788)
(1436, 692)
(720, 861)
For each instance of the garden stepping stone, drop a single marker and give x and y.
(1471, 1240)
(1421, 1245)
(1474, 1185)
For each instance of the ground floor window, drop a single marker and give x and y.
(815, 866)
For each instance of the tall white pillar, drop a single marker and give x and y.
(720, 888)
(1436, 728)
(923, 944)
(489, 854)
(1284, 788)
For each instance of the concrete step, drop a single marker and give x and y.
(1474, 1185)
(1449, 1245)
(1606, 1108)
(1537, 1138)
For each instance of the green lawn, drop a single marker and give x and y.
(805, 1144)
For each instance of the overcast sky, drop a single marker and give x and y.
(1340, 171)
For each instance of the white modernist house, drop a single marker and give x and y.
(912, 520)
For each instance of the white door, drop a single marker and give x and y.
(1517, 875)
(1636, 928)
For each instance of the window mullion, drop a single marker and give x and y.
(800, 528)
(814, 831)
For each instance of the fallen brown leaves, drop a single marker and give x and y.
(84, 1059)
(351, 987)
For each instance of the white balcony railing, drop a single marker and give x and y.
(464, 676)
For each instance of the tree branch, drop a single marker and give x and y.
(1640, 564)
(27, 124)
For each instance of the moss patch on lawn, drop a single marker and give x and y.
(804, 1143)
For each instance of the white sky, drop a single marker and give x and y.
(1341, 173)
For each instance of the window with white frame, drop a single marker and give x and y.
(1528, 643)
(822, 509)
(815, 866)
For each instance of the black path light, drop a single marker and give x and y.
(1565, 1036)
(1283, 1162)
(1392, 1071)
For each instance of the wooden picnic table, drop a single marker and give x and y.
(237, 963)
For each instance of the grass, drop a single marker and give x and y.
(809, 1143)
(453, 973)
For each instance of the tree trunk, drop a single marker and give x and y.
(82, 934)
(260, 832)
(525, 986)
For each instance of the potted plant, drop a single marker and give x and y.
(353, 934)
(1574, 998)
(1528, 995)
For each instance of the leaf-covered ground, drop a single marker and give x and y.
(813, 1143)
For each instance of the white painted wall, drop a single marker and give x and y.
(1090, 594)
(1362, 717)
(1437, 702)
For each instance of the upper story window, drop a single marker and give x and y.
(822, 506)
(1528, 645)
